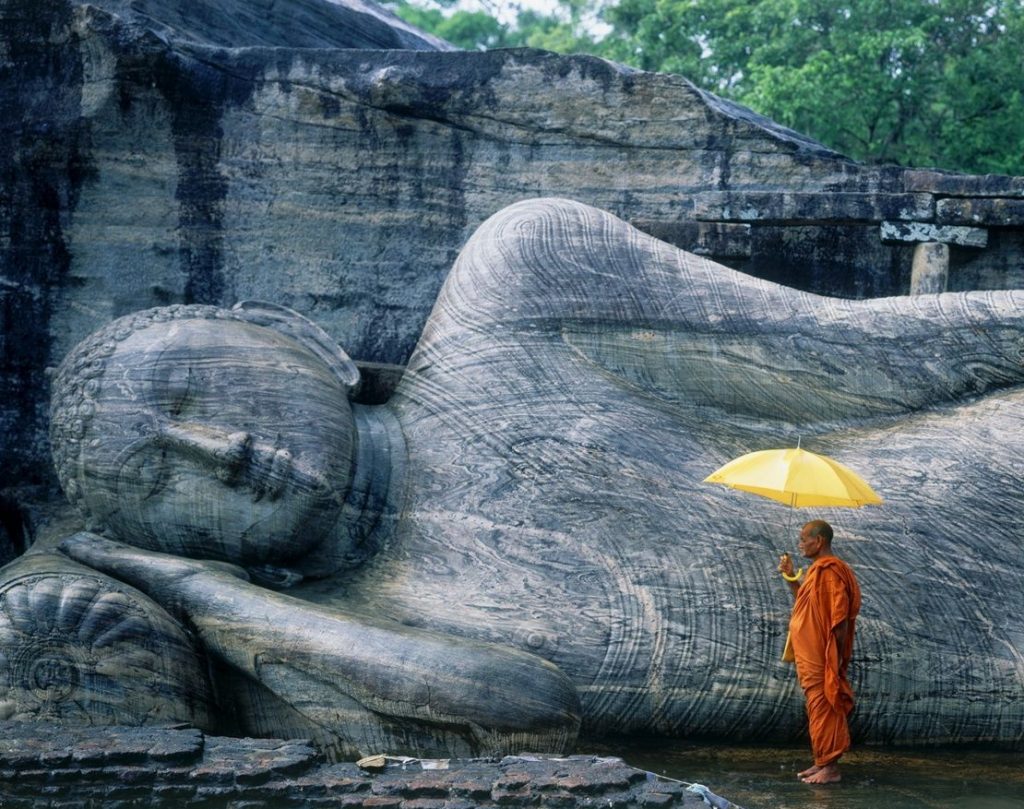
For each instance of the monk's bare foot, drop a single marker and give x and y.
(829, 774)
(809, 771)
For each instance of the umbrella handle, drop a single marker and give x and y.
(796, 575)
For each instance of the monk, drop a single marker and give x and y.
(821, 633)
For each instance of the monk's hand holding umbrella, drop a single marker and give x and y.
(789, 573)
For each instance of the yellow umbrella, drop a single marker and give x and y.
(797, 478)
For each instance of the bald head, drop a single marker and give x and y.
(819, 528)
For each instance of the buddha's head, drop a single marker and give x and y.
(206, 432)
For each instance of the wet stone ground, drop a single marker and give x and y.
(42, 766)
(763, 777)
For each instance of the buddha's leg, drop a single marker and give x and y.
(566, 281)
(356, 684)
(79, 648)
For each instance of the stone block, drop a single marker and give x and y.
(991, 211)
(658, 799)
(55, 759)
(213, 797)
(513, 780)
(967, 185)
(380, 801)
(558, 798)
(13, 758)
(895, 232)
(133, 775)
(424, 787)
(474, 788)
(596, 781)
(459, 803)
(253, 761)
(801, 207)
(173, 793)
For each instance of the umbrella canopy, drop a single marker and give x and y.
(797, 478)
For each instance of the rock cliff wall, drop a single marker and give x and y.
(160, 152)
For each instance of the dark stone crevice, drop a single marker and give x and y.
(43, 161)
(13, 530)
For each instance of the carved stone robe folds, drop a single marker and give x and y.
(827, 597)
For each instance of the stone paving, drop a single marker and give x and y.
(42, 766)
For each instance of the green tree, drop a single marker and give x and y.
(470, 30)
(916, 82)
(562, 30)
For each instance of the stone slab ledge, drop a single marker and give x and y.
(990, 211)
(794, 207)
(114, 767)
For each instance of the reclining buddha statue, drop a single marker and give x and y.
(517, 544)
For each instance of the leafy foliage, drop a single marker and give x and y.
(914, 82)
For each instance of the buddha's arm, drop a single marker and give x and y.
(562, 279)
(360, 685)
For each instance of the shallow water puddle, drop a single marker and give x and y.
(759, 777)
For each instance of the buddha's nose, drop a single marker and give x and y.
(234, 456)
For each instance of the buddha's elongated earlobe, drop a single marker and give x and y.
(288, 321)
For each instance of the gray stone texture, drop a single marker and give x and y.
(981, 211)
(168, 151)
(269, 23)
(534, 484)
(43, 766)
(784, 206)
(929, 273)
(894, 232)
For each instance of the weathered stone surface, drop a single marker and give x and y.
(925, 232)
(269, 23)
(756, 206)
(159, 153)
(541, 456)
(930, 271)
(994, 268)
(130, 774)
(44, 747)
(966, 185)
(716, 239)
(355, 684)
(850, 259)
(981, 211)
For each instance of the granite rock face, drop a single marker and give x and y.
(533, 486)
(182, 152)
(273, 24)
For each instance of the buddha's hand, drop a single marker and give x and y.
(161, 576)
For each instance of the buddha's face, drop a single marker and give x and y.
(218, 439)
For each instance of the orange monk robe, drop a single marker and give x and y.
(828, 595)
